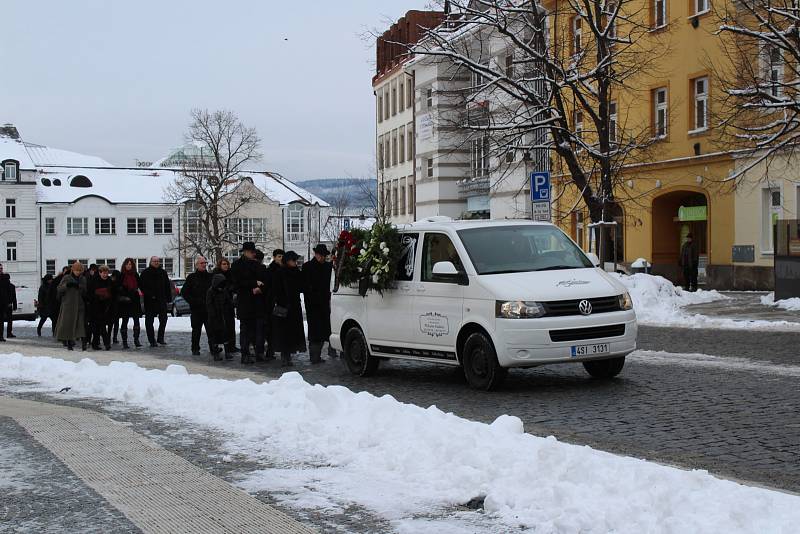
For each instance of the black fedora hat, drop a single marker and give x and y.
(291, 256)
(248, 245)
(321, 249)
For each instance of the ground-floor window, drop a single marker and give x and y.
(141, 264)
(11, 251)
(168, 265)
(111, 263)
(50, 267)
(84, 262)
(770, 213)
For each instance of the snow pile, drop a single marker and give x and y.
(640, 263)
(338, 447)
(792, 304)
(658, 302)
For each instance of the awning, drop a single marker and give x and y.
(693, 213)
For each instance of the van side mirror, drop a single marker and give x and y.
(593, 258)
(446, 271)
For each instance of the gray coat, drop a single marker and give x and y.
(72, 318)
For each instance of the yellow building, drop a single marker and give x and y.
(683, 187)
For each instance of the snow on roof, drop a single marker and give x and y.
(15, 149)
(118, 186)
(46, 156)
(282, 190)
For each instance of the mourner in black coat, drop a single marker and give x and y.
(7, 296)
(157, 292)
(194, 292)
(317, 295)
(43, 304)
(221, 316)
(224, 269)
(249, 302)
(287, 315)
(101, 295)
(129, 305)
(53, 303)
(269, 300)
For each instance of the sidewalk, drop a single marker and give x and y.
(743, 306)
(158, 491)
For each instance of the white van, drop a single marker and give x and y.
(488, 296)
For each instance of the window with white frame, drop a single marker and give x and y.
(701, 6)
(169, 265)
(401, 138)
(612, 24)
(50, 267)
(578, 121)
(380, 106)
(105, 226)
(772, 60)
(111, 263)
(11, 251)
(394, 147)
(700, 90)
(577, 35)
(83, 261)
(480, 157)
(162, 225)
(137, 226)
(409, 94)
(49, 226)
(10, 171)
(141, 264)
(411, 197)
(660, 112)
(193, 223)
(429, 98)
(77, 225)
(394, 99)
(659, 13)
(387, 149)
(770, 213)
(401, 189)
(295, 223)
(612, 122)
(410, 142)
(380, 153)
(401, 95)
(580, 232)
(509, 65)
(386, 103)
(11, 208)
(241, 230)
(429, 165)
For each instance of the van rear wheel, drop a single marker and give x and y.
(356, 354)
(605, 368)
(479, 360)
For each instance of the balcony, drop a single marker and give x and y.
(473, 187)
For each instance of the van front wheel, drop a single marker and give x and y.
(479, 360)
(356, 354)
(605, 368)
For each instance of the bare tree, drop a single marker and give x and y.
(759, 112)
(552, 82)
(210, 183)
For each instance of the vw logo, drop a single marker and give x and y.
(585, 307)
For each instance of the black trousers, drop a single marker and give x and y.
(690, 278)
(124, 328)
(252, 331)
(100, 331)
(149, 319)
(198, 321)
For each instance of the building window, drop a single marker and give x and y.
(401, 137)
(402, 190)
(380, 152)
(11, 208)
(105, 226)
(386, 104)
(411, 198)
(771, 212)
(773, 70)
(394, 100)
(137, 226)
(410, 141)
(141, 264)
(578, 119)
(394, 147)
(49, 226)
(401, 95)
(295, 223)
(429, 163)
(480, 157)
(50, 267)
(10, 171)
(111, 263)
(429, 99)
(380, 106)
(169, 265)
(77, 226)
(660, 112)
(700, 90)
(612, 122)
(659, 13)
(701, 6)
(83, 261)
(387, 150)
(509, 65)
(409, 94)
(579, 229)
(11, 251)
(162, 225)
(577, 35)
(612, 24)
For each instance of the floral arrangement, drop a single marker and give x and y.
(368, 258)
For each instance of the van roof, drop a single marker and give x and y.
(433, 223)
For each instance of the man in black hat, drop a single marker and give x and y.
(317, 293)
(690, 261)
(249, 302)
(269, 300)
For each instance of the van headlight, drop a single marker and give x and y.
(518, 309)
(625, 302)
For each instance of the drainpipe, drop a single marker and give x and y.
(39, 236)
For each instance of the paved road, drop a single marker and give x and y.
(736, 414)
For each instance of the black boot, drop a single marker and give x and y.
(38, 331)
(315, 351)
(136, 332)
(70, 345)
(286, 359)
(125, 344)
(195, 352)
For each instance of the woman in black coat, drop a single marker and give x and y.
(221, 316)
(287, 316)
(102, 293)
(224, 269)
(129, 303)
(43, 304)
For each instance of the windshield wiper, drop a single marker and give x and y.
(504, 272)
(558, 268)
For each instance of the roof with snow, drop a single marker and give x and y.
(11, 148)
(44, 155)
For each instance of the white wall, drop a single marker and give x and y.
(22, 230)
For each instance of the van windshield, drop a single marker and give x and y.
(517, 249)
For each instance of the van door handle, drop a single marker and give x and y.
(421, 289)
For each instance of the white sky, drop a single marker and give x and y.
(117, 78)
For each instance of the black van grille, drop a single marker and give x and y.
(595, 332)
(561, 308)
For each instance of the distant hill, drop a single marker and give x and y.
(355, 190)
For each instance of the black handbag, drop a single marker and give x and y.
(122, 299)
(279, 311)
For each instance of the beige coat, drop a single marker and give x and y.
(71, 323)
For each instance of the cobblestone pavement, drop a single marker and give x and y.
(39, 494)
(743, 306)
(736, 420)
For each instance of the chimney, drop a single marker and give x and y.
(9, 130)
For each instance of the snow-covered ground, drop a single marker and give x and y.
(792, 304)
(660, 303)
(411, 465)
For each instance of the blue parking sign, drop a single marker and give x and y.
(540, 186)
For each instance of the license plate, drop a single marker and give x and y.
(590, 350)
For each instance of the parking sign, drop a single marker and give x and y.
(540, 186)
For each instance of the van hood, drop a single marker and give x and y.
(543, 286)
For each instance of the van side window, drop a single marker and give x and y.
(405, 265)
(438, 247)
